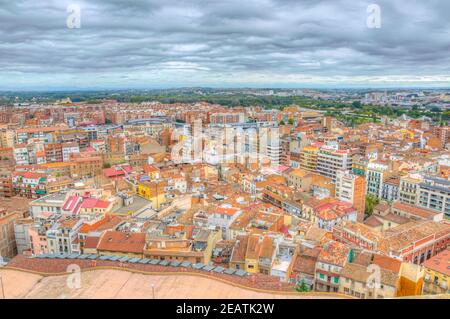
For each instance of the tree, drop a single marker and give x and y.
(302, 286)
(107, 165)
(371, 202)
(356, 104)
(281, 122)
(291, 121)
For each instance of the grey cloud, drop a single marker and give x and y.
(149, 41)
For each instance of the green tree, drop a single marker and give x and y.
(371, 202)
(281, 122)
(107, 165)
(356, 104)
(291, 121)
(302, 286)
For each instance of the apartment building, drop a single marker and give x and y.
(223, 217)
(330, 160)
(20, 154)
(82, 166)
(351, 188)
(29, 184)
(53, 153)
(69, 148)
(330, 262)
(308, 158)
(376, 175)
(434, 193)
(437, 274)
(358, 280)
(8, 247)
(408, 189)
(6, 188)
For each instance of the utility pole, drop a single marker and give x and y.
(3, 289)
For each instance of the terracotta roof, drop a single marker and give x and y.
(361, 274)
(122, 242)
(239, 250)
(305, 262)
(91, 242)
(334, 253)
(402, 236)
(373, 221)
(414, 210)
(396, 218)
(440, 262)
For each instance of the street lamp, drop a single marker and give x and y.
(153, 290)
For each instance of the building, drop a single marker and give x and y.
(437, 274)
(358, 280)
(434, 193)
(409, 186)
(223, 217)
(53, 153)
(122, 244)
(154, 192)
(29, 184)
(20, 154)
(414, 212)
(376, 175)
(330, 160)
(330, 262)
(303, 271)
(62, 237)
(6, 187)
(390, 189)
(352, 188)
(8, 247)
(86, 165)
(308, 158)
(416, 241)
(197, 249)
(22, 234)
(357, 235)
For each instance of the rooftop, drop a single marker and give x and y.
(439, 263)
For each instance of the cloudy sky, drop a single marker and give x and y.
(229, 43)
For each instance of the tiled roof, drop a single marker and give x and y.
(91, 242)
(122, 242)
(94, 203)
(334, 253)
(440, 262)
(361, 274)
(415, 210)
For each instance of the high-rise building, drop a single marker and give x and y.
(308, 158)
(330, 160)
